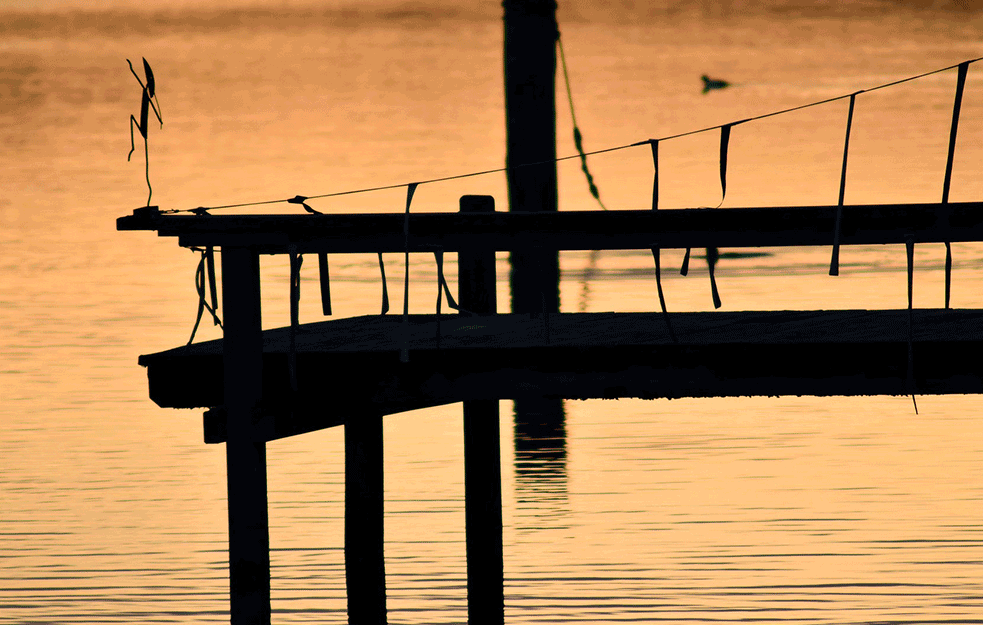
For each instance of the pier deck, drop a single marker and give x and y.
(349, 368)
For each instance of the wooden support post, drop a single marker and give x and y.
(249, 527)
(365, 567)
(530, 131)
(482, 453)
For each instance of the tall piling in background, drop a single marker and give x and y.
(531, 32)
(530, 130)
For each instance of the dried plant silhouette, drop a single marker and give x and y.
(147, 101)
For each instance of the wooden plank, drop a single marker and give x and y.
(574, 230)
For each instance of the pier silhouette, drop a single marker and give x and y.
(258, 386)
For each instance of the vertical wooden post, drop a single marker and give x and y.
(249, 527)
(365, 567)
(530, 131)
(482, 453)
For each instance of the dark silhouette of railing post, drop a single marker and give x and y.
(482, 452)
(249, 533)
(365, 567)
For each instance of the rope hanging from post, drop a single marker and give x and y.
(656, 252)
(957, 104)
(834, 261)
(910, 249)
(404, 352)
(578, 139)
(205, 273)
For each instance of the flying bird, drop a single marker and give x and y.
(713, 83)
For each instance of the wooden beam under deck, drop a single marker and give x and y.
(351, 368)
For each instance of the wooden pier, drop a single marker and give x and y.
(260, 386)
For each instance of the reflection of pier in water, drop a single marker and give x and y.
(264, 385)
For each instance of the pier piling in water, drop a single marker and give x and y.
(249, 525)
(482, 452)
(365, 568)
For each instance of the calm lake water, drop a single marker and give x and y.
(806, 510)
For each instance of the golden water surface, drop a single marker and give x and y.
(835, 510)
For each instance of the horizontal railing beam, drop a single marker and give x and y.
(571, 230)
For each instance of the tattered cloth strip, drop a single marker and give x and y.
(296, 260)
(325, 280)
(656, 252)
(404, 352)
(960, 84)
(910, 385)
(201, 276)
(834, 261)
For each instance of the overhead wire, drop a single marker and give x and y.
(580, 155)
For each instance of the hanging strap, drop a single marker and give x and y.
(724, 146)
(325, 280)
(385, 291)
(712, 253)
(443, 289)
(654, 144)
(957, 105)
(910, 386)
(212, 284)
(656, 252)
(296, 260)
(404, 352)
(201, 276)
(442, 286)
(834, 261)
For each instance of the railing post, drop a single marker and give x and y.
(482, 453)
(249, 533)
(365, 566)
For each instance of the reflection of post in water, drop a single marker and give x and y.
(541, 448)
